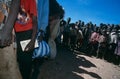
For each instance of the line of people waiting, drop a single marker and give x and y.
(29, 18)
(101, 41)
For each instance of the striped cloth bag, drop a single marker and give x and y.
(42, 51)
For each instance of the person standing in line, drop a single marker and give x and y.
(56, 13)
(26, 29)
(48, 24)
(8, 14)
(50, 14)
(42, 18)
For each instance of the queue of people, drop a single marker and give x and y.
(43, 20)
(28, 18)
(100, 41)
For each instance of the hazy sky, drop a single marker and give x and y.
(97, 11)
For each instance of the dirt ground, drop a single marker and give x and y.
(75, 65)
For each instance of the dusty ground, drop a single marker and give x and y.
(75, 65)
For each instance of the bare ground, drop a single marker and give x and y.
(75, 65)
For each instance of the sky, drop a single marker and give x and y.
(96, 11)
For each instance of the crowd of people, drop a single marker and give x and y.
(44, 20)
(101, 41)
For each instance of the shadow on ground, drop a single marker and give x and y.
(67, 65)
